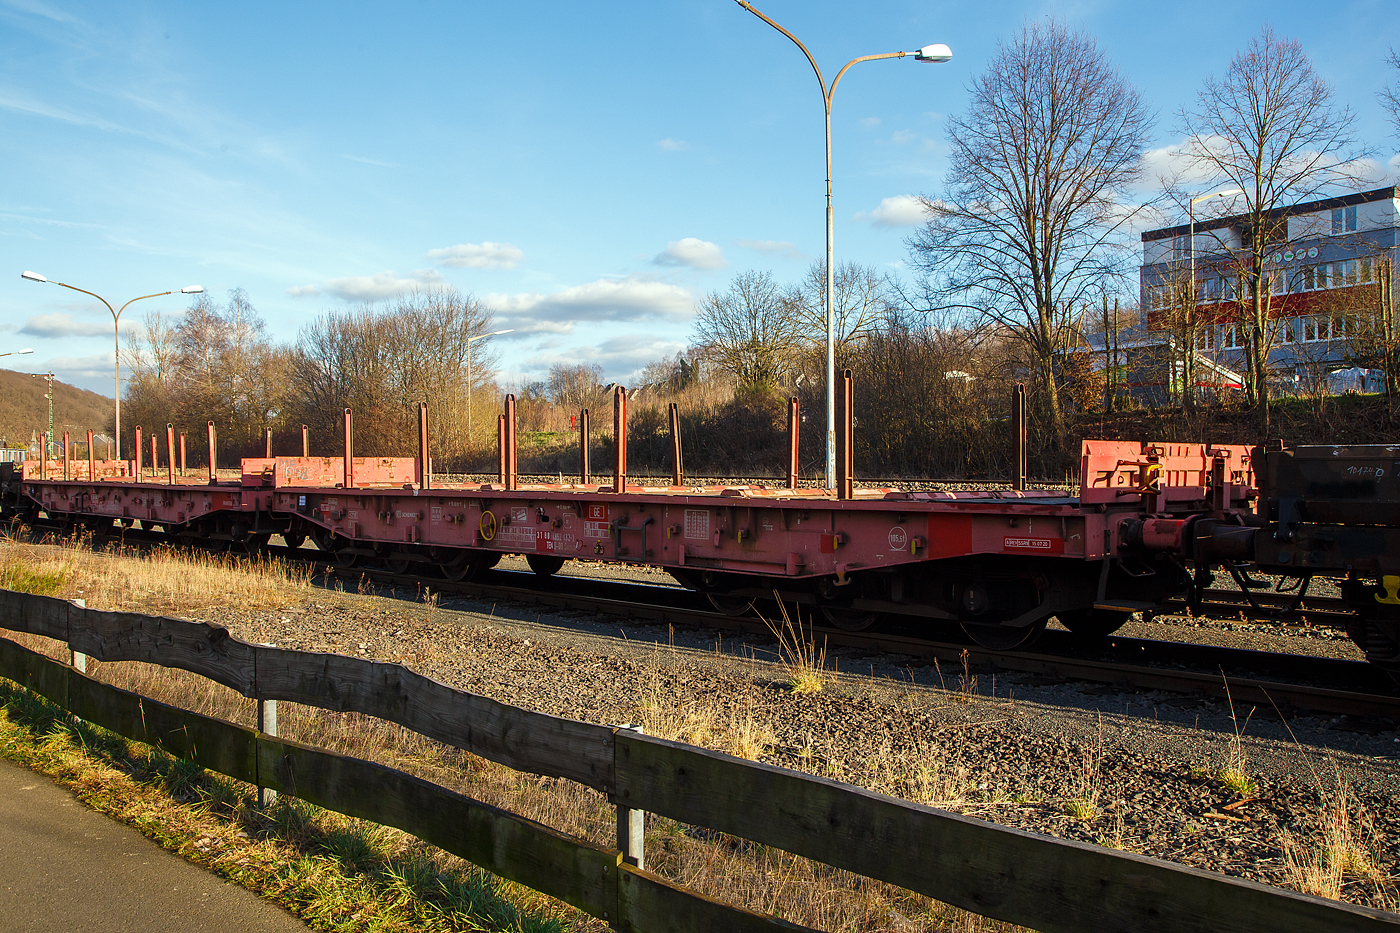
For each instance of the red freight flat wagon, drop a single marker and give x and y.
(1000, 562)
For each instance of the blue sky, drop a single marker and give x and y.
(587, 170)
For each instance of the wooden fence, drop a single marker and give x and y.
(1037, 881)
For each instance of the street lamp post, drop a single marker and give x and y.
(18, 352)
(1188, 386)
(116, 338)
(929, 53)
(468, 361)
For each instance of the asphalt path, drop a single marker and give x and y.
(64, 867)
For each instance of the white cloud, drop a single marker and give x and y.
(622, 358)
(693, 253)
(364, 161)
(371, 287)
(484, 255)
(902, 210)
(66, 325)
(41, 9)
(630, 299)
(900, 137)
(783, 248)
(672, 145)
(97, 366)
(869, 121)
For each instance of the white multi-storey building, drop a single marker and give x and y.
(1323, 268)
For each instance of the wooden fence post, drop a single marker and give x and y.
(632, 826)
(77, 658)
(267, 725)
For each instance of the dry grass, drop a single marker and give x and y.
(158, 581)
(798, 655)
(1234, 774)
(347, 874)
(1345, 846)
(335, 872)
(1084, 804)
(717, 865)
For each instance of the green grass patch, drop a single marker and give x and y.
(334, 872)
(22, 576)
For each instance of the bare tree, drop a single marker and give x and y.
(1270, 128)
(575, 386)
(1390, 94)
(382, 360)
(1041, 160)
(857, 310)
(749, 329)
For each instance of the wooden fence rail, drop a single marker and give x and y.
(1037, 881)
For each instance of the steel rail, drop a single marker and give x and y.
(646, 602)
(1284, 696)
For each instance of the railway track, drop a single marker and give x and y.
(1287, 683)
(1244, 676)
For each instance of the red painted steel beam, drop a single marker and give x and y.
(213, 434)
(349, 432)
(425, 476)
(794, 418)
(620, 439)
(584, 439)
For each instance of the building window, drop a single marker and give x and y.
(1318, 328)
(1229, 338)
(1343, 220)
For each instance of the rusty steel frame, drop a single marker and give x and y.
(1018, 435)
(620, 440)
(793, 461)
(585, 469)
(677, 464)
(213, 437)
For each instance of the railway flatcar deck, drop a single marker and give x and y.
(1151, 522)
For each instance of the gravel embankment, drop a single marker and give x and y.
(1003, 747)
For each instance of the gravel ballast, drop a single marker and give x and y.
(1132, 769)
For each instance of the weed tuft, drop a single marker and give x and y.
(802, 661)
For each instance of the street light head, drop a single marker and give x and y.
(192, 290)
(32, 276)
(936, 53)
(24, 351)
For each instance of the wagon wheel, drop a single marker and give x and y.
(1093, 623)
(398, 564)
(253, 543)
(1003, 637)
(345, 557)
(461, 567)
(293, 540)
(730, 604)
(850, 620)
(544, 565)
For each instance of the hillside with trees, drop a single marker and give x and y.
(24, 412)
